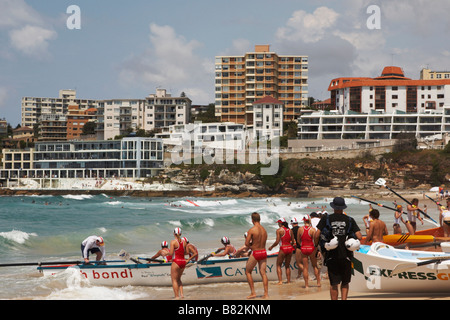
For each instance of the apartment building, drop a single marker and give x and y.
(162, 110)
(374, 125)
(76, 119)
(381, 108)
(117, 116)
(388, 93)
(242, 80)
(268, 113)
(219, 135)
(157, 111)
(428, 74)
(33, 108)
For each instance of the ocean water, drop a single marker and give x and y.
(51, 228)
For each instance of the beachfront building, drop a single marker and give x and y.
(374, 125)
(216, 135)
(33, 108)
(242, 80)
(268, 121)
(381, 108)
(127, 158)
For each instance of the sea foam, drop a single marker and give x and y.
(17, 236)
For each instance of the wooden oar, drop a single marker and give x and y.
(204, 258)
(127, 256)
(382, 182)
(40, 263)
(402, 267)
(152, 260)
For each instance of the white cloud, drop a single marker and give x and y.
(31, 40)
(171, 62)
(27, 29)
(308, 27)
(14, 13)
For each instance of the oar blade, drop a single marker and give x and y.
(402, 267)
(380, 182)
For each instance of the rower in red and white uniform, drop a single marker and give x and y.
(229, 249)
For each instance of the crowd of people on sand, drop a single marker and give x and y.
(324, 238)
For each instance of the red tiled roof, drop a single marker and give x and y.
(391, 76)
(268, 99)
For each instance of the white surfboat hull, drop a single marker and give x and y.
(372, 267)
(210, 271)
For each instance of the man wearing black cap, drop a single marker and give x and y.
(338, 259)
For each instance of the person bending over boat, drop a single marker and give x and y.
(177, 250)
(256, 241)
(164, 252)
(94, 245)
(377, 228)
(229, 249)
(285, 235)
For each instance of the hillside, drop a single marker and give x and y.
(404, 170)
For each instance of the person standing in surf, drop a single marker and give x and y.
(285, 235)
(177, 250)
(256, 241)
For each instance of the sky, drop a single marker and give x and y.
(127, 49)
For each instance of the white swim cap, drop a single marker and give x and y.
(164, 244)
(225, 240)
(177, 231)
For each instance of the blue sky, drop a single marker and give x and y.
(128, 49)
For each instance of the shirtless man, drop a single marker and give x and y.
(377, 228)
(256, 241)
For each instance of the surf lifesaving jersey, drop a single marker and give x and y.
(178, 255)
(307, 242)
(286, 245)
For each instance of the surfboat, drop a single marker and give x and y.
(382, 268)
(214, 270)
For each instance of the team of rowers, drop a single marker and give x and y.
(301, 241)
(298, 241)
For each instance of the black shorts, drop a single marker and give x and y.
(92, 250)
(339, 271)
